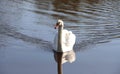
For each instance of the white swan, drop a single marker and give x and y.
(64, 39)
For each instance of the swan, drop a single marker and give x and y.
(64, 40)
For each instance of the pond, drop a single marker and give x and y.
(27, 33)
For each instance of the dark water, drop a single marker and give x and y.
(27, 32)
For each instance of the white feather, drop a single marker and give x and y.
(68, 40)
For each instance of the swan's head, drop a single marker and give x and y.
(59, 23)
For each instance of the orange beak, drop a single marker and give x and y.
(56, 26)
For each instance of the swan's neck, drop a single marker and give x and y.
(60, 39)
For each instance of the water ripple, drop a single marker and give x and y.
(92, 21)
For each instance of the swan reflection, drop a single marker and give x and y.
(64, 57)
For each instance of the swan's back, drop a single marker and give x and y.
(68, 40)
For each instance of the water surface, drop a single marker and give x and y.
(27, 33)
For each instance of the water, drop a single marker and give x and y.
(27, 32)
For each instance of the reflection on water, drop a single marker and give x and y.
(63, 57)
(32, 21)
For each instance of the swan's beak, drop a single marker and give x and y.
(56, 26)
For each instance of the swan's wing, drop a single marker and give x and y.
(68, 38)
(77, 44)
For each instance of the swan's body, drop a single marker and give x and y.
(64, 39)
